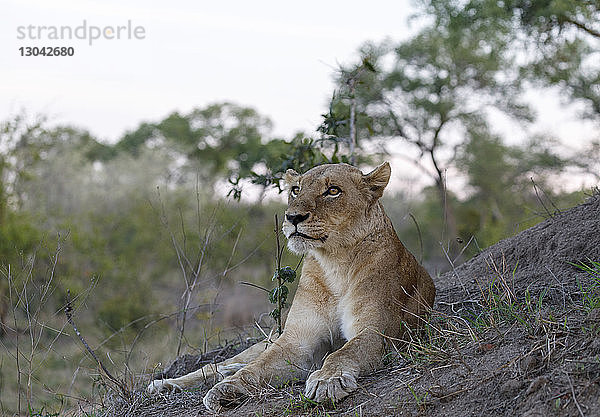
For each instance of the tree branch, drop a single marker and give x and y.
(582, 26)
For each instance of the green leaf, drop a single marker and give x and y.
(287, 274)
(273, 295)
(283, 293)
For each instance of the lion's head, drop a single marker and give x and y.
(329, 204)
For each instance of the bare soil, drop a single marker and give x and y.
(512, 334)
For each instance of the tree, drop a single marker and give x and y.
(551, 43)
(555, 42)
(337, 126)
(300, 154)
(566, 36)
(23, 141)
(552, 18)
(230, 142)
(441, 82)
(219, 140)
(503, 180)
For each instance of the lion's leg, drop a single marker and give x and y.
(364, 321)
(337, 377)
(210, 373)
(303, 344)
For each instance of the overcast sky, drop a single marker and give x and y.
(275, 56)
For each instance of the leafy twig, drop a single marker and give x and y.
(278, 295)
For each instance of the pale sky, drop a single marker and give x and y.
(275, 56)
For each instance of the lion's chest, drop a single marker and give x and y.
(336, 280)
(342, 308)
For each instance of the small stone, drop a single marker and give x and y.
(485, 347)
(534, 413)
(529, 363)
(594, 315)
(536, 384)
(510, 386)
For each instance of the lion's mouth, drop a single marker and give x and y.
(302, 235)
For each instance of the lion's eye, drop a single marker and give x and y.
(294, 190)
(333, 191)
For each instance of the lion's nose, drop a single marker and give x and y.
(296, 218)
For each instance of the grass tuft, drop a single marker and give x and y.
(590, 290)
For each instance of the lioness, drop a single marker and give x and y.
(359, 287)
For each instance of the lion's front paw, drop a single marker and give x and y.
(322, 386)
(161, 385)
(225, 394)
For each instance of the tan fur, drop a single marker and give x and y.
(359, 288)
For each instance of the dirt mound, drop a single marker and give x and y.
(515, 331)
(545, 249)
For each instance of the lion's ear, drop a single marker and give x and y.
(377, 179)
(291, 177)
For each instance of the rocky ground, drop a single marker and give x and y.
(515, 331)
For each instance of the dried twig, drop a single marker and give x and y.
(18, 354)
(69, 313)
(278, 261)
(460, 355)
(573, 395)
(535, 188)
(420, 237)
